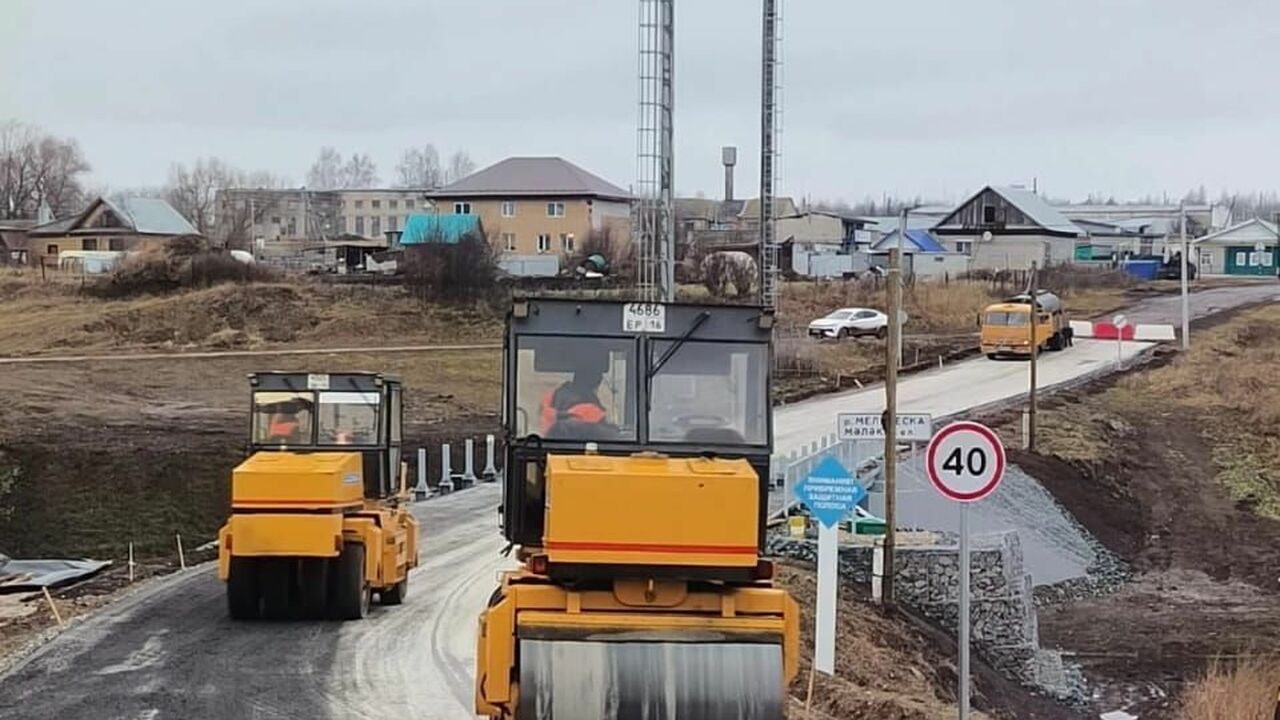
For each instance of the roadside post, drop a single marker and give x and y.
(1121, 322)
(1186, 300)
(965, 461)
(421, 490)
(831, 493)
(857, 428)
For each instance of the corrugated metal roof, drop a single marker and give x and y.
(517, 176)
(1036, 209)
(151, 215)
(431, 228)
(1269, 227)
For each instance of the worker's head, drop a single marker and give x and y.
(589, 367)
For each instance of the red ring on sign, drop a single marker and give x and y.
(987, 434)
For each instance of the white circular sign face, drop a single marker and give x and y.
(1119, 321)
(965, 461)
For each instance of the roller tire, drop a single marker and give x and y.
(348, 594)
(396, 594)
(243, 600)
(275, 580)
(1055, 342)
(313, 588)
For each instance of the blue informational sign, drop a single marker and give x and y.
(830, 492)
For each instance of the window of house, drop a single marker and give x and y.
(116, 244)
(89, 244)
(555, 209)
(544, 243)
(275, 220)
(965, 246)
(509, 241)
(566, 242)
(376, 226)
(360, 225)
(375, 204)
(508, 209)
(359, 203)
(51, 250)
(988, 214)
(340, 224)
(394, 204)
(462, 208)
(392, 223)
(293, 226)
(408, 204)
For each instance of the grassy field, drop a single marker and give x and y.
(1224, 385)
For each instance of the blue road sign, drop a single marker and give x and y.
(830, 492)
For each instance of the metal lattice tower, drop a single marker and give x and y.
(770, 127)
(653, 208)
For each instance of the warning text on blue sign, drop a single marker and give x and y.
(830, 492)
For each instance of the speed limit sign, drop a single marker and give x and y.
(965, 461)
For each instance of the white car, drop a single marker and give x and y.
(850, 322)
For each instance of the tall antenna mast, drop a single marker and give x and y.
(770, 121)
(653, 207)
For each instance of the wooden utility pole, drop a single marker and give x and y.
(892, 361)
(1033, 317)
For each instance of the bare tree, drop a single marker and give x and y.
(39, 169)
(419, 168)
(460, 166)
(326, 172)
(193, 191)
(360, 172)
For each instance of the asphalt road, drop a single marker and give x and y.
(170, 652)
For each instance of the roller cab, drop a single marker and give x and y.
(319, 521)
(639, 439)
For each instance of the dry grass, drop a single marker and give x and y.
(1228, 380)
(53, 318)
(1246, 691)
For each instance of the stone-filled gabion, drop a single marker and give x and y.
(1003, 622)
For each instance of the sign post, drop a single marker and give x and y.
(965, 462)
(1121, 322)
(830, 492)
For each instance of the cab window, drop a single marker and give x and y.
(348, 418)
(710, 392)
(575, 388)
(283, 418)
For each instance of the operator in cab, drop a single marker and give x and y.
(574, 410)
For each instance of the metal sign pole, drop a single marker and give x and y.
(824, 638)
(964, 611)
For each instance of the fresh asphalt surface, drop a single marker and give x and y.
(169, 651)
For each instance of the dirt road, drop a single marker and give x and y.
(170, 652)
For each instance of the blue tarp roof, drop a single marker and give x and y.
(920, 237)
(431, 228)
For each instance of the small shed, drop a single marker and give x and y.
(1250, 248)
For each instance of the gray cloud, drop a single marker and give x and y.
(933, 96)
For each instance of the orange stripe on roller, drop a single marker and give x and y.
(654, 548)
(293, 503)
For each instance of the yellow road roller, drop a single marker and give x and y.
(320, 520)
(637, 464)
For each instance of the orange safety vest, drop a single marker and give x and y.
(282, 427)
(583, 412)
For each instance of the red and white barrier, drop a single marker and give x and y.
(1103, 330)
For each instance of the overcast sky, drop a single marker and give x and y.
(930, 97)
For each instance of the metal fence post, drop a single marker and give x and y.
(446, 471)
(490, 472)
(468, 468)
